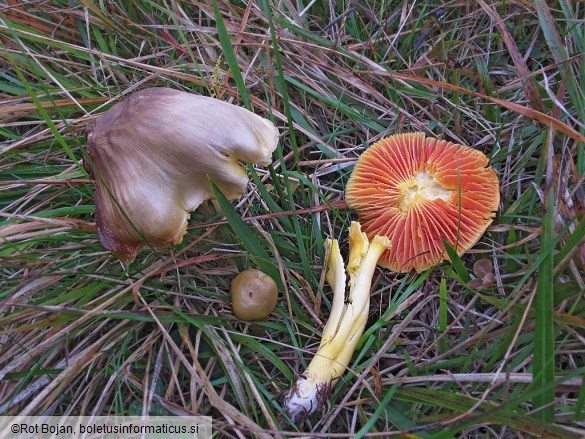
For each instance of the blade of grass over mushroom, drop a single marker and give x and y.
(345, 324)
(230, 55)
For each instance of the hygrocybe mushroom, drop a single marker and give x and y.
(419, 191)
(411, 193)
(152, 157)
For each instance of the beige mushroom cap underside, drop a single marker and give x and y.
(152, 156)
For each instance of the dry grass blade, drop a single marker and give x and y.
(524, 73)
(530, 113)
(199, 373)
(15, 110)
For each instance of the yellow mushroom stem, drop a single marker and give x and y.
(346, 322)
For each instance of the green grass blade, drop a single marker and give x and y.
(580, 405)
(484, 411)
(281, 80)
(543, 367)
(247, 236)
(260, 348)
(378, 412)
(457, 263)
(443, 315)
(230, 55)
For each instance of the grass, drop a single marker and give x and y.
(81, 333)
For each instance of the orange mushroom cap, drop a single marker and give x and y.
(418, 191)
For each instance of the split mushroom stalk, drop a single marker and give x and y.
(152, 157)
(345, 325)
(411, 193)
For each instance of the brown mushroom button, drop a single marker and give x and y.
(254, 295)
(418, 191)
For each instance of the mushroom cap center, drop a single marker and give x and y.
(422, 187)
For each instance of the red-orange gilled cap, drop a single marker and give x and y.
(418, 191)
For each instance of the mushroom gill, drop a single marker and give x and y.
(418, 191)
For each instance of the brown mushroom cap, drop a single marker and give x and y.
(254, 295)
(152, 156)
(418, 191)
